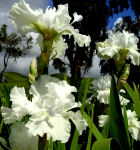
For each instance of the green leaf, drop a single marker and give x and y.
(85, 94)
(74, 144)
(50, 144)
(106, 144)
(136, 92)
(135, 97)
(1, 125)
(117, 126)
(61, 146)
(3, 144)
(95, 131)
(65, 76)
(90, 131)
(55, 146)
(126, 122)
(6, 93)
(13, 76)
(5, 101)
(105, 130)
(3, 141)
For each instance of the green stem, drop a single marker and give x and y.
(1, 125)
(44, 59)
(42, 64)
(43, 142)
(123, 78)
(120, 60)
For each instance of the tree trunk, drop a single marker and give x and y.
(6, 58)
(1, 74)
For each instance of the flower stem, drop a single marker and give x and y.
(43, 142)
(123, 78)
(42, 64)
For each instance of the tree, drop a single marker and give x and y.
(135, 7)
(95, 14)
(12, 46)
(60, 65)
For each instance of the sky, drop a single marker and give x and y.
(112, 20)
(23, 68)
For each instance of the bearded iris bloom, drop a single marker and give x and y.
(120, 44)
(49, 110)
(50, 25)
(102, 86)
(133, 123)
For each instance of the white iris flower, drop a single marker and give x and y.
(21, 139)
(133, 123)
(102, 85)
(120, 41)
(51, 25)
(103, 120)
(49, 109)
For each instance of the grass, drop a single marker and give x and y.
(12, 76)
(13, 79)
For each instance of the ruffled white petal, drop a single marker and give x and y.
(134, 56)
(78, 120)
(106, 52)
(20, 106)
(19, 100)
(103, 96)
(120, 41)
(23, 17)
(63, 17)
(103, 120)
(102, 85)
(21, 139)
(133, 124)
(77, 17)
(62, 90)
(56, 127)
(123, 101)
(80, 39)
(39, 87)
(53, 94)
(9, 115)
(59, 46)
(135, 129)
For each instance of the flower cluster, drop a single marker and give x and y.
(49, 110)
(133, 123)
(118, 44)
(50, 25)
(102, 85)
